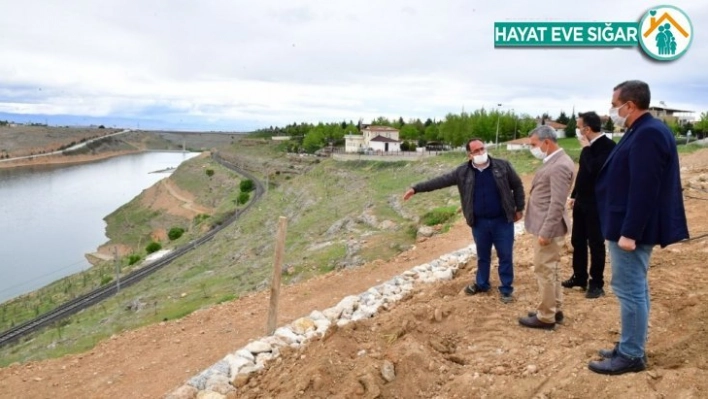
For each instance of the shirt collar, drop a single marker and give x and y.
(548, 157)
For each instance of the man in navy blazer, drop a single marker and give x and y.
(640, 202)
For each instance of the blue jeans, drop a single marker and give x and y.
(500, 233)
(630, 285)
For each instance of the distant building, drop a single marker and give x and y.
(373, 138)
(280, 138)
(672, 115)
(518, 144)
(558, 127)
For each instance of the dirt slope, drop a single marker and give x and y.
(476, 349)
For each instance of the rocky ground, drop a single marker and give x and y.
(437, 343)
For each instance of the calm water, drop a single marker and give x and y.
(51, 217)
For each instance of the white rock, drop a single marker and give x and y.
(219, 383)
(287, 335)
(210, 395)
(348, 304)
(274, 342)
(245, 354)
(236, 363)
(302, 325)
(332, 314)
(251, 369)
(317, 315)
(443, 275)
(264, 358)
(343, 322)
(322, 325)
(257, 347)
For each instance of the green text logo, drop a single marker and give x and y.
(664, 33)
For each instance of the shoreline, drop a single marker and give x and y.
(64, 159)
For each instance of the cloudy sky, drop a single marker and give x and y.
(240, 65)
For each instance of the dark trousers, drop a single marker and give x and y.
(586, 233)
(497, 232)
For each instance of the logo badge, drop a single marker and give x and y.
(665, 33)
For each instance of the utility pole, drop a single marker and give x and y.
(117, 263)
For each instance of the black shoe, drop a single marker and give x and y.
(473, 289)
(594, 292)
(609, 353)
(574, 282)
(534, 322)
(617, 364)
(559, 316)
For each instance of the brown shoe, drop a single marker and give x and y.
(534, 322)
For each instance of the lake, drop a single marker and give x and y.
(51, 216)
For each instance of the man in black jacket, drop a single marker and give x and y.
(492, 197)
(586, 221)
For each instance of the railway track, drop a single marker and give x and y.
(93, 297)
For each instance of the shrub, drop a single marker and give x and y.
(439, 215)
(247, 186)
(133, 259)
(210, 172)
(175, 233)
(243, 198)
(153, 247)
(106, 279)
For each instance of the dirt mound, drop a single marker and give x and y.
(443, 344)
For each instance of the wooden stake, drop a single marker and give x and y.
(277, 272)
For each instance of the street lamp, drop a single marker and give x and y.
(498, 118)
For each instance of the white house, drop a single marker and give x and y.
(518, 144)
(376, 138)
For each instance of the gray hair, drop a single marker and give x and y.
(545, 132)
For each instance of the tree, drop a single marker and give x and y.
(432, 133)
(609, 125)
(247, 185)
(563, 118)
(408, 132)
(570, 126)
(702, 125)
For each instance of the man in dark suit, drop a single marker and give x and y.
(586, 222)
(640, 202)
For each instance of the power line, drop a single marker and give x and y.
(37, 278)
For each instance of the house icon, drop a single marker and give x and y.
(654, 23)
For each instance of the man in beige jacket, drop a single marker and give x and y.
(547, 220)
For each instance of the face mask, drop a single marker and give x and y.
(616, 118)
(480, 159)
(578, 133)
(536, 151)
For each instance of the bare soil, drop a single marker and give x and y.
(473, 349)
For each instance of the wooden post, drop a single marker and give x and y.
(277, 272)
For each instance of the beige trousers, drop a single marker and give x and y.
(546, 265)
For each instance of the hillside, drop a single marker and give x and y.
(493, 356)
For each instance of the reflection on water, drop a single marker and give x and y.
(51, 216)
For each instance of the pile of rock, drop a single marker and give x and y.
(232, 372)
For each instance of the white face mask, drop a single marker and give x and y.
(536, 151)
(616, 118)
(480, 159)
(578, 134)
